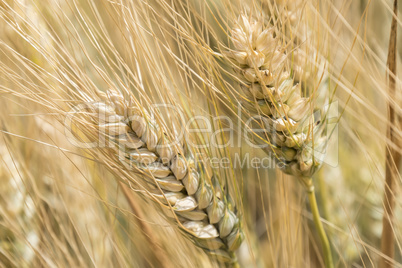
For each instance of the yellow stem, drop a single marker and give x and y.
(308, 182)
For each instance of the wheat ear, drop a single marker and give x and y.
(188, 188)
(271, 93)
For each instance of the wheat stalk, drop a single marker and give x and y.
(392, 156)
(188, 188)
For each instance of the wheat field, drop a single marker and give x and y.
(200, 133)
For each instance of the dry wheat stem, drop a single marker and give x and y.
(308, 183)
(393, 156)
